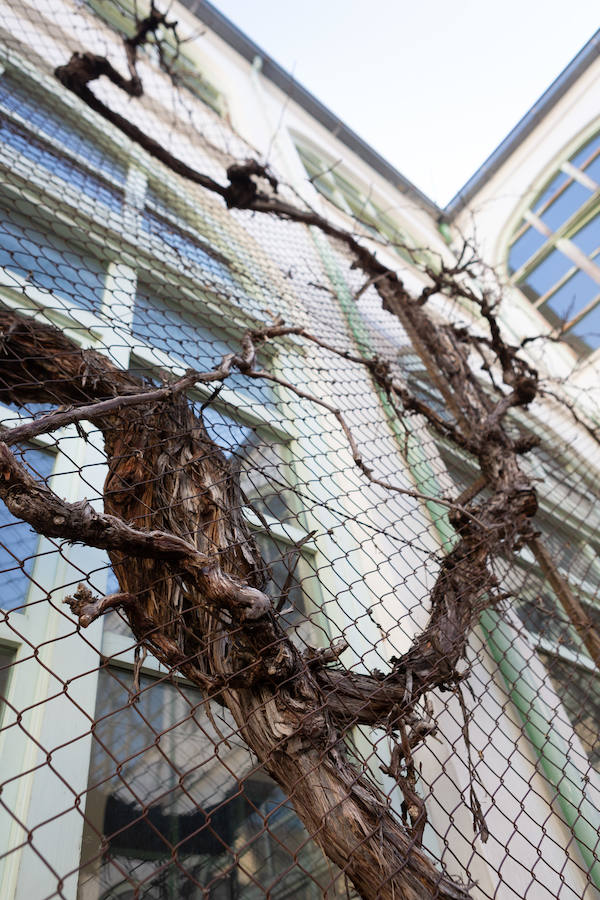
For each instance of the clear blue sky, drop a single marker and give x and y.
(433, 86)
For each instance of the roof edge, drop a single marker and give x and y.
(240, 42)
(551, 96)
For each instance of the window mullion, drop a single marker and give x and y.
(538, 224)
(583, 262)
(586, 309)
(584, 179)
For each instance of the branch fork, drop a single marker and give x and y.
(88, 608)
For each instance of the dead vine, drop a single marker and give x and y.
(189, 570)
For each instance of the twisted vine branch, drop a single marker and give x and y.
(189, 570)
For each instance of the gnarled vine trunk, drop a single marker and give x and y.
(167, 476)
(190, 575)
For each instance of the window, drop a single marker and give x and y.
(46, 260)
(18, 542)
(328, 180)
(168, 326)
(275, 515)
(187, 74)
(32, 131)
(121, 15)
(169, 815)
(161, 326)
(194, 244)
(554, 254)
(169, 331)
(159, 222)
(39, 143)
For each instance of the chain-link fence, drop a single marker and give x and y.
(221, 408)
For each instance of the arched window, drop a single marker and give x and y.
(554, 255)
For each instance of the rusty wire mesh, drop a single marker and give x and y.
(119, 777)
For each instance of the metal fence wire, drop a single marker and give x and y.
(261, 633)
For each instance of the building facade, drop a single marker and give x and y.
(117, 779)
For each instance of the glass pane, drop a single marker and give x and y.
(327, 188)
(588, 237)
(546, 274)
(549, 191)
(593, 170)
(228, 434)
(541, 615)
(565, 205)
(363, 214)
(49, 262)
(389, 229)
(59, 166)
(114, 620)
(178, 333)
(579, 158)
(424, 389)
(317, 171)
(350, 191)
(18, 99)
(186, 73)
(185, 246)
(311, 162)
(579, 691)
(117, 13)
(576, 293)
(167, 818)
(357, 204)
(300, 609)
(283, 563)
(567, 548)
(264, 466)
(523, 248)
(588, 329)
(18, 541)
(12, 413)
(265, 478)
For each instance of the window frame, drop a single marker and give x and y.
(560, 239)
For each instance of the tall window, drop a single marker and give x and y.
(329, 180)
(168, 332)
(71, 170)
(176, 807)
(554, 255)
